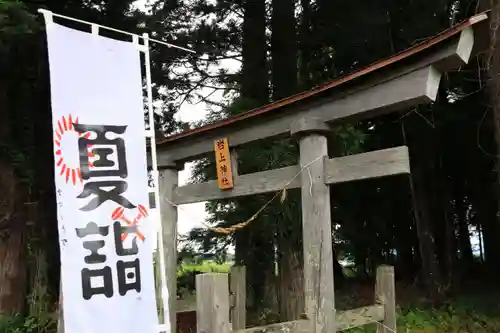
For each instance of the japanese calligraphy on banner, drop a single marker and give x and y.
(105, 227)
(223, 164)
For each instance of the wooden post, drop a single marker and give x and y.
(316, 225)
(238, 295)
(385, 294)
(212, 303)
(168, 181)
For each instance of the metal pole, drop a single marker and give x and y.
(154, 172)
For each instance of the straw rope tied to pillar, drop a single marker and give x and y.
(282, 193)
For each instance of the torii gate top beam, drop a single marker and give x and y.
(409, 78)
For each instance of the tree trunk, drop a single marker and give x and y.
(284, 84)
(405, 261)
(260, 264)
(445, 239)
(304, 47)
(44, 176)
(430, 269)
(480, 238)
(283, 49)
(484, 201)
(290, 259)
(291, 281)
(463, 233)
(12, 273)
(255, 92)
(255, 81)
(492, 246)
(12, 265)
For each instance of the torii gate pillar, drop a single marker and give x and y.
(316, 224)
(168, 182)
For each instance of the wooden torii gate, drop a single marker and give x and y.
(405, 80)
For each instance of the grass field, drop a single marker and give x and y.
(478, 313)
(205, 267)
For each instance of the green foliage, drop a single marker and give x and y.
(30, 324)
(204, 267)
(15, 22)
(463, 315)
(21, 162)
(17, 25)
(186, 274)
(40, 318)
(178, 76)
(351, 138)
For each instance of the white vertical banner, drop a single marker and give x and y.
(105, 224)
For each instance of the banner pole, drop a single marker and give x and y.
(47, 13)
(154, 167)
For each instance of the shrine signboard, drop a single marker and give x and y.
(223, 164)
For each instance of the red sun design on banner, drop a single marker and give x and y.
(66, 145)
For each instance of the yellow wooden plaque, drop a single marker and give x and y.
(223, 163)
